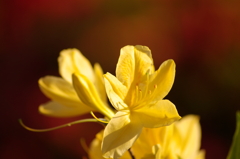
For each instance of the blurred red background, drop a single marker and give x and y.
(202, 36)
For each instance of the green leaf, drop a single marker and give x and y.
(234, 152)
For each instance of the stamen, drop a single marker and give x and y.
(150, 92)
(148, 96)
(57, 127)
(155, 86)
(100, 120)
(154, 90)
(140, 94)
(136, 94)
(147, 87)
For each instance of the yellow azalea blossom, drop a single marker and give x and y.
(64, 99)
(137, 94)
(181, 140)
(95, 148)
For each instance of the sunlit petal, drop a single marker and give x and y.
(59, 90)
(160, 114)
(95, 148)
(178, 140)
(72, 61)
(114, 97)
(89, 95)
(163, 79)
(153, 136)
(142, 146)
(55, 109)
(119, 135)
(190, 132)
(138, 89)
(116, 85)
(99, 82)
(133, 63)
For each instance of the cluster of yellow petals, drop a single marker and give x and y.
(65, 100)
(137, 93)
(180, 140)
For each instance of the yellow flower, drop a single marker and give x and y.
(181, 140)
(64, 99)
(137, 94)
(95, 148)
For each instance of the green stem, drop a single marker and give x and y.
(58, 127)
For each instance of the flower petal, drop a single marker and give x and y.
(162, 80)
(99, 82)
(189, 131)
(72, 61)
(120, 134)
(115, 92)
(89, 95)
(171, 154)
(55, 109)
(59, 90)
(163, 113)
(142, 146)
(150, 137)
(116, 85)
(201, 155)
(95, 148)
(133, 63)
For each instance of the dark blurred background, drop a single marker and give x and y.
(202, 36)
